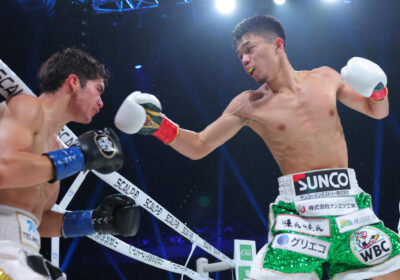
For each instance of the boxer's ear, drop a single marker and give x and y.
(279, 44)
(73, 82)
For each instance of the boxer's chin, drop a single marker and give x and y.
(261, 81)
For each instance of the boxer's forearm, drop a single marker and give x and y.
(51, 224)
(189, 144)
(23, 169)
(378, 109)
(198, 145)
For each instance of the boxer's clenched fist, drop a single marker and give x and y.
(141, 113)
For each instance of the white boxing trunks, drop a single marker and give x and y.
(19, 247)
(322, 222)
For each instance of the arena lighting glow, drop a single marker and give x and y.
(225, 6)
(378, 164)
(134, 158)
(279, 2)
(395, 126)
(137, 67)
(92, 203)
(227, 157)
(220, 205)
(113, 263)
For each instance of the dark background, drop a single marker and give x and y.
(190, 65)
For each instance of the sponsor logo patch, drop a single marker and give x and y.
(106, 145)
(312, 226)
(28, 233)
(370, 245)
(302, 244)
(330, 206)
(356, 219)
(321, 181)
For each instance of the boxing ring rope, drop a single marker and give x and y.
(11, 85)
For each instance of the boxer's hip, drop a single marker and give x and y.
(19, 226)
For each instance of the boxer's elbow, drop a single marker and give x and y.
(379, 113)
(193, 154)
(198, 150)
(196, 155)
(11, 174)
(5, 175)
(2, 181)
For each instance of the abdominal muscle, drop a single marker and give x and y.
(300, 148)
(307, 157)
(301, 128)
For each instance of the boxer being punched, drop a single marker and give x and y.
(32, 162)
(321, 217)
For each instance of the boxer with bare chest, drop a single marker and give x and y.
(321, 218)
(33, 161)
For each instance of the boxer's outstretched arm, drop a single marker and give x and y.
(19, 166)
(197, 145)
(141, 113)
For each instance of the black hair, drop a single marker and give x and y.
(60, 65)
(259, 25)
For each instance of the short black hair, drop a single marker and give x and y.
(259, 25)
(60, 65)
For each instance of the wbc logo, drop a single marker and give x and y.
(321, 181)
(370, 245)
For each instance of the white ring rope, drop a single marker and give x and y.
(190, 255)
(11, 85)
(69, 195)
(142, 256)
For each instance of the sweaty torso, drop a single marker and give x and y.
(301, 127)
(36, 198)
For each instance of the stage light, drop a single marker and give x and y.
(137, 67)
(279, 2)
(225, 6)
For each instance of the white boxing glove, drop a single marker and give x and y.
(141, 113)
(131, 115)
(365, 77)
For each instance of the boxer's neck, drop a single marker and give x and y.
(56, 113)
(286, 76)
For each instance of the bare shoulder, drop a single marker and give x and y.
(238, 102)
(26, 110)
(325, 72)
(250, 103)
(252, 96)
